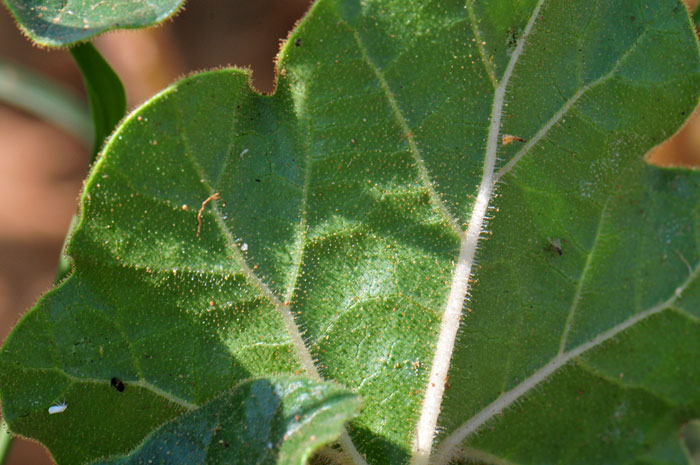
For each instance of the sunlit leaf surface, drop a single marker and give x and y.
(444, 207)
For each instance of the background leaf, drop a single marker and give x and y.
(56, 23)
(331, 228)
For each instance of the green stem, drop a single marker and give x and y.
(105, 92)
(5, 441)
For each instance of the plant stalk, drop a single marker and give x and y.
(5, 441)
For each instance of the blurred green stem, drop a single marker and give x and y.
(48, 100)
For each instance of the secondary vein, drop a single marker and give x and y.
(452, 442)
(435, 199)
(582, 278)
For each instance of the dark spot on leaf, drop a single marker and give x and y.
(555, 244)
(117, 384)
(512, 39)
(257, 180)
(297, 42)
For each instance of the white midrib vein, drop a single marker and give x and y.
(460, 282)
(427, 422)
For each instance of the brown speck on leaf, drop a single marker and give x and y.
(507, 139)
(214, 196)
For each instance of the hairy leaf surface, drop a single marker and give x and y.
(57, 23)
(332, 229)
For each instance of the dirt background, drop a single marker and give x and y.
(42, 168)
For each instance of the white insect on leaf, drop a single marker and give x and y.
(58, 408)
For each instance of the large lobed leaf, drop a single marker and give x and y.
(57, 23)
(340, 218)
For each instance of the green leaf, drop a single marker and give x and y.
(332, 228)
(278, 421)
(59, 23)
(104, 89)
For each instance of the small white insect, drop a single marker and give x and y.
(58, 408)
(244, 247)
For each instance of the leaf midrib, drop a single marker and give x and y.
(489, 180)
(563, 357)
(427, 423)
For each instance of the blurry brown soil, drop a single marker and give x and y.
(684, 148)
(41, 168)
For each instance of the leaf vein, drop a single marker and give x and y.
(488, 66)
(509, 398)
(427, 422)
(140, 383)
(436, 201)
(582, 278)
(544, 130)
(594, 371)
(290, 323)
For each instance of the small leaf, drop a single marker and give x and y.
(276, 421)
(58, 23)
